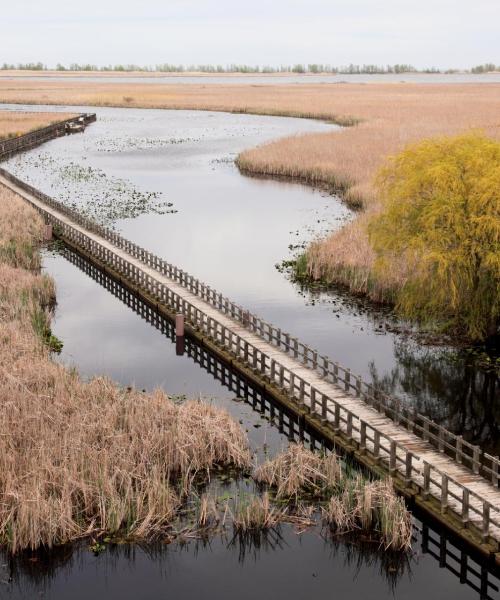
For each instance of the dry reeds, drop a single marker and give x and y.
(15, 123)
(256, 514)
(82, 458)
(370, 506)
(388, 117)
(298, 471)
(87, 458)
(352, 502)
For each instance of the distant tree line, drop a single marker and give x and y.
(351, 69)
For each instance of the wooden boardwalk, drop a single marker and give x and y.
(304, 377)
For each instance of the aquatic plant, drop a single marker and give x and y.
(350, 500)
(256, 513)
(371, 506)
(298, 471)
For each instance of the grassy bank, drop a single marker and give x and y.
(15, 123)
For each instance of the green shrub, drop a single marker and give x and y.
(439, 232)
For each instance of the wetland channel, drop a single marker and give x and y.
(167, 181)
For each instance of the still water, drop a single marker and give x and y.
(167, 181)
(240, 79)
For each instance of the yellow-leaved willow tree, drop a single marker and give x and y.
(438, 234)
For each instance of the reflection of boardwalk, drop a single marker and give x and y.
(444, 478)
(432, 542)
(286, 421)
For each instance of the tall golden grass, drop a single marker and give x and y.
(81, 458)
(15, 123)
(347, 161)
(388, 117)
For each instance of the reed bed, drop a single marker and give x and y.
(298, 471)
(256, 513)
(347, 161)
(385, 117)
(370, 506)
(351, 502)
(87, 459)
(15, 123)
(84, 458)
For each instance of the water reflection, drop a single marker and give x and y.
(449, 388)
(285, 421)
(225, 566)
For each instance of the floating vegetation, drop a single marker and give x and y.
(127, 144)
(92, 192)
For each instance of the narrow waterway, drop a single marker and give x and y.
(167, 180)
(283, 563)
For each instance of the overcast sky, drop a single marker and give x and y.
(442, 33)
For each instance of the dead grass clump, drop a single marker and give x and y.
(352, 502)
(298, 471)
(208, 515)
(256, 514)
(370, 506)
(384, 118)
(21, 231)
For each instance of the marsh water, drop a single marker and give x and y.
(167, 180)
(268, 79)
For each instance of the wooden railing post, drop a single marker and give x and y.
(392, 458)
(347, 380)
(408, 467)
(426, 430)
(427, 480)
(336, 422)
(476, 460)
(362, 433)
(465, 506)
(444, 492)
(301, 391)
(458, 449)
(376, 444)
(486, 520)
(313, 400)
(349, 425)
(494, 472)
(324, 408)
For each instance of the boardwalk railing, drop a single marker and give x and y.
(395, 457)
(11, 146)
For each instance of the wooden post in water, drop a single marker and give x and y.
(179, 335)
(179, 325)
